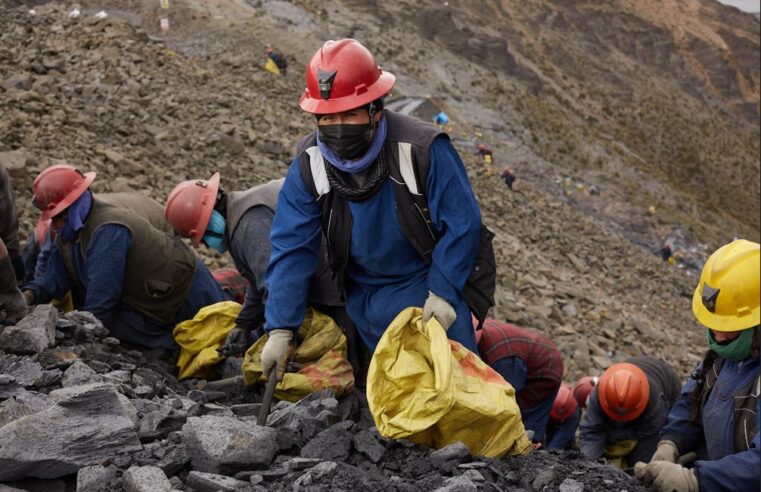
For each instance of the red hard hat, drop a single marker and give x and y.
(343, 75)
(583, 389)
(565, 404)
(623, 392)
(57, 187)
(189, 206)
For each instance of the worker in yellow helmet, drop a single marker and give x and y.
(718, 414)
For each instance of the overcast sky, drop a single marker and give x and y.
(746, 5)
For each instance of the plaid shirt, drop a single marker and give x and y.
(232, 282)
(540, 354)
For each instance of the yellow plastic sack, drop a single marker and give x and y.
(321, 354)
(271, 66)
(617, 451)
(200, 337)
(433, 391)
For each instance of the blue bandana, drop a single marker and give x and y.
(75, 217)
(359, 165)
(215, 232)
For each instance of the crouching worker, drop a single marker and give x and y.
(718, 415)
(564, 420)
(392, 197)
(530, 362)
(239, 222)
(137, 279)
(627, 410)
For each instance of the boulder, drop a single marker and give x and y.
(145, 479)
(96, 478)
(225, 444)
(86, 425)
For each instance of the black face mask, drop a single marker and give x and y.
(346, 141)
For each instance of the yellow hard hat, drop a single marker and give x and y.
(727, 297)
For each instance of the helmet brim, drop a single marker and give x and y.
(208, 207)
(719, 322)
(380, 88)
(70, 198)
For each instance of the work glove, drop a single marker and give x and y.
(667, 477)
(29, 296)
(666, 451)
(276, 351)
(237, 342)
(440, 309)
(12, 307)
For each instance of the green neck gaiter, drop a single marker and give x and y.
(736, 350)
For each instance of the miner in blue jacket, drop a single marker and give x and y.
(350, 180)
(719, 413)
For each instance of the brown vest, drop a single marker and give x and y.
(160, 268)
(239, 202)
(144, 206)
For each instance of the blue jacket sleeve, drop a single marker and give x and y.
(593, 431)
(106, 263)
(54, 281)
(679, 428)
(295, 242)
(732, 473)
(565, 434)
(455, 215)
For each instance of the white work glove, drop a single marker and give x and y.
(666, 451)
(439, 308)
(275, 352)
(667, 477)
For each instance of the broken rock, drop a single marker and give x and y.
(211, 482)
(86, 425)
(225, 444)
(33, 334)
(96, 478)
(146, 479)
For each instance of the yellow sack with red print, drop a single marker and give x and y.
(200, 337)
(320, 360)
(433, 391)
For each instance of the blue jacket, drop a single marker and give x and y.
(385, 274)
(724, 469)
(562, 435)
(102, 275)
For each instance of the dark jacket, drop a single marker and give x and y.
(597, 429)
(9, 223)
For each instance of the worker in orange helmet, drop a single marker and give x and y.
(718, 415)
(564, 419)
(627, 409)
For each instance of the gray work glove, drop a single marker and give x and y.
(666, 451)
(437, 307)
(29, 296)
(667, 477)
(12, 307)
(237, 342)
(276, 351)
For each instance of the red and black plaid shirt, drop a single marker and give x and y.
(543, 361)
(232, 282)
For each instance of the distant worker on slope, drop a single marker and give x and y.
(277, 59)
(9, 224)
(508, 177)
(627, 409)
(530, 362)
(485, 153)
(666, 253)
(392, 197)
(564, 420)
(138, 280)
(239, 222)
(718, 414)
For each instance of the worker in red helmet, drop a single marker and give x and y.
(138, 279)
(564, 420)
(530, 362)
(582, 390)
(627, 410)
(393, 199)
(239, 222)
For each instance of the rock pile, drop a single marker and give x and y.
(86, 413)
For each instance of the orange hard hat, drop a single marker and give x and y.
(343, 75)
(584, 388)
(189, 206)
(57, 187)
(565, 404)
(623, 392)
